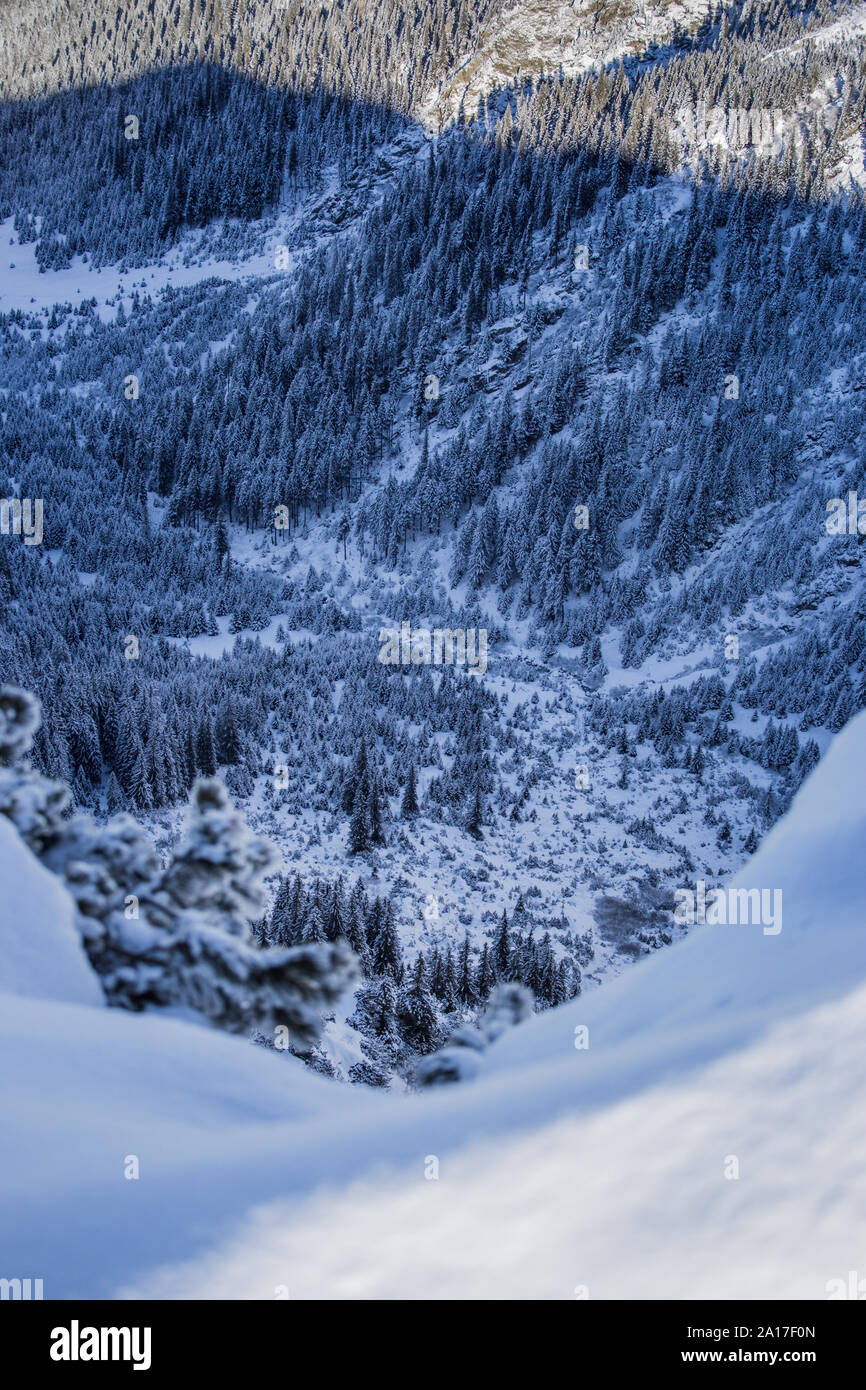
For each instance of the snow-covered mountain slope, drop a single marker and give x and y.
(564, 36)
(708, 1141)
(429, 359)
(726, 983)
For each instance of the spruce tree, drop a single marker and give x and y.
(359, 840)
(502, 949)
(475, 816)
(416, 1012)
(387, 954)
(409, 806)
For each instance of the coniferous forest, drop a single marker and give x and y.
(310, 327)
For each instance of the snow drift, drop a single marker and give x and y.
(41, 955)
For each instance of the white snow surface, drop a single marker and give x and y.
(563, 1172)
(41, 955)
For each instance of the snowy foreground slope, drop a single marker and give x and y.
(41, 955)
(563, 1172)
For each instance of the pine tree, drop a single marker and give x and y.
(205, 751)
(356, 938)
(374, 814)
(475, 816)
(359, 840)
(416, 1013)
(699, 763)
(465, 977)
(355, 778)
(279, 931)
(486, 976)
(335, 912)
(502, 949)
(409, 806)
(222, 549)
(449, 989)
(227, 737)
(387, 955)
(115, 801)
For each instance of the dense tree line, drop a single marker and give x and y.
(405, 1010)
